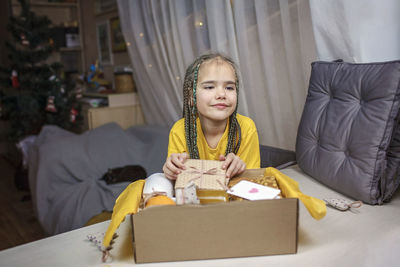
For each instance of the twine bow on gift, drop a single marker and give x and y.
(201, 173)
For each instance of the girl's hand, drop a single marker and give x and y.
(232, 164)
(174, 165)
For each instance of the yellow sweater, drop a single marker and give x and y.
(249, 150)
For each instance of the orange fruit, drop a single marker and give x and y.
(159, 200)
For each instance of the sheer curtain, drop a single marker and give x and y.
(271, 41)
(358, 30)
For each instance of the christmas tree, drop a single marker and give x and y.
(32, 93)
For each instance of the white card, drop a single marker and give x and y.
(253, 191)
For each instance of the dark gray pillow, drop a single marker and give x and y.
(348, 136)
(276, 157)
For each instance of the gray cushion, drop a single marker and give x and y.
(348, 137)
(276, 157)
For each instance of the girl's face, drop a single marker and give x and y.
(216, 90)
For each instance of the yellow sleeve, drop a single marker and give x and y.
(249, 150)
(177, 141)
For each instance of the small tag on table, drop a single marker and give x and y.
(342, 204)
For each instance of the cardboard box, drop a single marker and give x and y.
(222, 230)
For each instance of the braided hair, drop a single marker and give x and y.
(190, 107)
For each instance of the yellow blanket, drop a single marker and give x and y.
(127, 203)
(290, 189)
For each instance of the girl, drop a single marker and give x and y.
(211, 128)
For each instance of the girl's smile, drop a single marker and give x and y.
(220, 106)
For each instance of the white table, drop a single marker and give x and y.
(368, 236)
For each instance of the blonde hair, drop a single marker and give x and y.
(190, 107)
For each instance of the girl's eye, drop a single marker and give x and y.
(230, 88)
(208, 87)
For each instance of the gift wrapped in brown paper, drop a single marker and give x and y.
(205, 174)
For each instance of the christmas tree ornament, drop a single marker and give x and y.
(51, 107)
(74, 113)
(51, 42)
(14, 79)
(78, 93)
(24, 41)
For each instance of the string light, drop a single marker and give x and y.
(141, 34)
